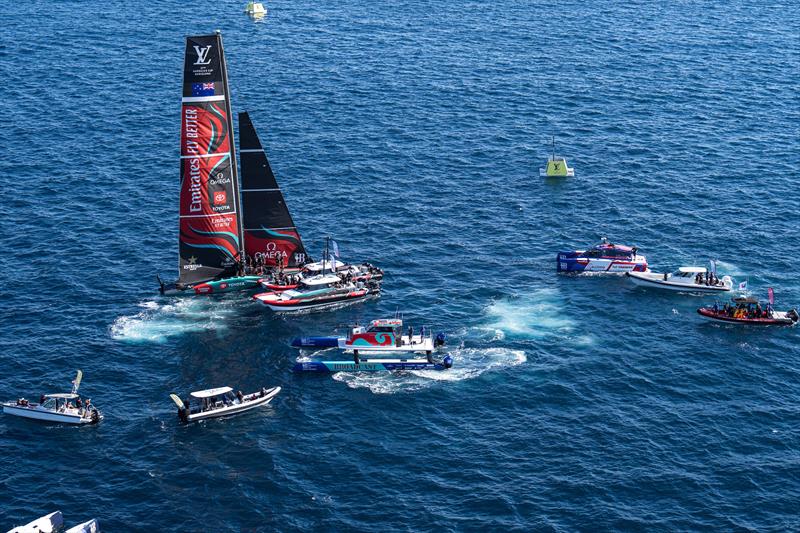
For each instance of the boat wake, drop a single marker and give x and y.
(531, 316)
(725, 268)
(158, 321)
(468, 363)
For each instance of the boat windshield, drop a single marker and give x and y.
(679, 274)
(381, 329)
(217, 402)
(608, 252)
(49, 403)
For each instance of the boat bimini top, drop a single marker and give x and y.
(209, 393)
(62, 396)
(383, 322)
(320, 280)
(692, 270)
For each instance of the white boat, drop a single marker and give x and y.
(213, 403)
(685, 279)
(325, 265)
(90, 526)
(386, 336)
(64, 407)
(604, 257)
(47, 524)
(318, 292)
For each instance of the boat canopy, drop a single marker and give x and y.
(325, 279)
(617, 247)
(693, 270)
(324, 264)
(387, 322)
(63, 396)
(208, 393)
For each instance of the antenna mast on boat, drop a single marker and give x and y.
(325, 256)
(554, 147)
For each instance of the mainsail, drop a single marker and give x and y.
(210, 227)
(268, 225)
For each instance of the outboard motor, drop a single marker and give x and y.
(447, 362)
(438, 342)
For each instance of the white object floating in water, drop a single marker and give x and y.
(255, 9)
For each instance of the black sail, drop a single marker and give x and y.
(268, 225)
(210, 216)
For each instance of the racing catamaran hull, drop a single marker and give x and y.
(239, 283)
(315, 342)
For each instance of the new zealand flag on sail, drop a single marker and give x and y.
(203, 89)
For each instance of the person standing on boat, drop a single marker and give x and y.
(410, 335)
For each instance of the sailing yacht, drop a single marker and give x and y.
(211, 243)
(231, 237)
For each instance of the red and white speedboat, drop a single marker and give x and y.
(603, 257)
(318, 292)
(749, 311)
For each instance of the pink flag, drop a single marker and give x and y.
(771, 296)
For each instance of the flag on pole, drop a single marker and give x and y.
(771, 296)
(333, 263)
(335, 248)
(713, 265)
(743, 286)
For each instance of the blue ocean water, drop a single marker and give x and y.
(412, 132)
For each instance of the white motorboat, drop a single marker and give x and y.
(323, 291)
(47, 524)
(213, 403)
(65, 407)
(685, 279)
(90, 526)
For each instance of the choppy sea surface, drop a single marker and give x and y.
(412, 132)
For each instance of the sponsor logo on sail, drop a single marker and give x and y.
(271, 251)
(202, 54)
(220, 198)
(192, 264)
